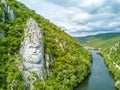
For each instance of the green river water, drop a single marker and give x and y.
(100, 78)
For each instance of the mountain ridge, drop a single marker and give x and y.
(97, 41)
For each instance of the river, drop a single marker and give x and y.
(100, 78)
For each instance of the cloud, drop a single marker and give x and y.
(80, 17)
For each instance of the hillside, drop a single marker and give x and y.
(99, 40)
(108, 43)
(61, 63)
(112, 59)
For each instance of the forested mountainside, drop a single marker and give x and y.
(36, 54)
(112, 59)
(108, 43)
(99, 40)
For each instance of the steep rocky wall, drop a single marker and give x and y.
(32, 52)
(9, 13)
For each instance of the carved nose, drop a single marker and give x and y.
(34, 50)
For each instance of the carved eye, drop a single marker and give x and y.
(30, 46)
(38, 47)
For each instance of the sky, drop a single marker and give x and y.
(80, 17)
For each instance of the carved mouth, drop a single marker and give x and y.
(35, 54)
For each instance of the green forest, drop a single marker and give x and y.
(69, 67)
(70, 63)
(112, 59)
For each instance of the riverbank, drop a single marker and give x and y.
(114, 69)
(100, 78)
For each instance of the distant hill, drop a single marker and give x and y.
(108, 43)
(99, 40)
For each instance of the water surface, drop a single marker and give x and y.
(100, 78)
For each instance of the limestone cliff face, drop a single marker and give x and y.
(32, 52)
(10, 13)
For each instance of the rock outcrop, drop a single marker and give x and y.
(32, 53)
(10, 13)
(48, 57)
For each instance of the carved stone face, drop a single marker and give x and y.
(32, 54)
(32, 51)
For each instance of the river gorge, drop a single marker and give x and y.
(100, 78)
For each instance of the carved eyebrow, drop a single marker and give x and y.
(37, 46)
(34, 46)
(31, 47)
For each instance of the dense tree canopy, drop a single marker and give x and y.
(112, 59)
(70, 63)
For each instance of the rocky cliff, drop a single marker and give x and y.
(32, 52)
(7, 12)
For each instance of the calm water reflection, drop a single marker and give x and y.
(100, 78)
